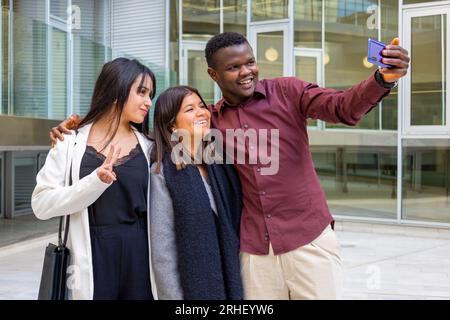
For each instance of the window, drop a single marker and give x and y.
(30, 56)
(174, 42)
(308, 23)
(90, 50)
(4, 29)
(25, 170)
(41, 160)
(359, 181)
(426, 180)
(58, 10)
(58, 65)
(201, 19)
(426, 102)
(55, 67)
(348, 25)
(1, 185)
(235, 16)
(269, 10)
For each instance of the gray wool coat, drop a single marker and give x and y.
(163, 242)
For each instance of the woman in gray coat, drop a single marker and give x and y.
(195, 207)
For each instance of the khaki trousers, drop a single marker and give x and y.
(313, 271)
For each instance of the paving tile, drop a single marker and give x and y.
(378, 266)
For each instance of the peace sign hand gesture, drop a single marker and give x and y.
(105, 171)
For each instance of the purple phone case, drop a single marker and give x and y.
(374, 56)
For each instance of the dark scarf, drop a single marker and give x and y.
(208, 256)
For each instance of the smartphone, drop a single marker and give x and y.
(374, 55)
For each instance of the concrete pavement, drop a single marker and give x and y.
(380, 262)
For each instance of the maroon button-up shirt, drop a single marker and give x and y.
(288, 208)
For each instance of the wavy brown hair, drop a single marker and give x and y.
(166, 109)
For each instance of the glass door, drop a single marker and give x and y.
(425, 143)
(272, 48)
(308, 67)
(194, 70)
(426, 89)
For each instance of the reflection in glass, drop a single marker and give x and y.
(90, 50)
(30, 67)
(348, 25)
(308, 23)
(359, 182)
(270, 55)
(24, 181)
(4, 67)
(59, 74)
(201, 19)
(174, 43)
(389, 20)
(198, 77)
(426, 180)
(58, 9)
(428, 79)
(88, 59)
(235, 16)
(269, 9)
(389, 111)
(306, 69)
(1, 186)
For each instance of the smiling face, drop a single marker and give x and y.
(138, 102)
(235, 71)
(194, 116)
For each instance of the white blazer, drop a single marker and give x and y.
(54, 197)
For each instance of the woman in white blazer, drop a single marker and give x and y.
(109, 195)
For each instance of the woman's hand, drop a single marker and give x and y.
(105, 171)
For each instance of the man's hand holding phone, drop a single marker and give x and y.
(393, 59)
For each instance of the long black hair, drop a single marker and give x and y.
(111, 92)
(167, 107)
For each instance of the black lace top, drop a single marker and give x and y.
(125, 200)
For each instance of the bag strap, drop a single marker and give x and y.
(61, 243)
(61, 219)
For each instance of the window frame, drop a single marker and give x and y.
(408, 129)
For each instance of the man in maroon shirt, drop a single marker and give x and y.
(288, 248)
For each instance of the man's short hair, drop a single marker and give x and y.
(222, 40)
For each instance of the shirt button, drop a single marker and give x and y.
(258, 169)
(245, 126)
(262, 193)
(266, 238)
(268, 216)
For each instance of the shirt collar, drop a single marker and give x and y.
(260, 92)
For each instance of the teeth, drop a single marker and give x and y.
(246, 81)
(199, 123)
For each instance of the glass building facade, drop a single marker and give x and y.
(394, 166)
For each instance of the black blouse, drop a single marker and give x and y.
(125, 201)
